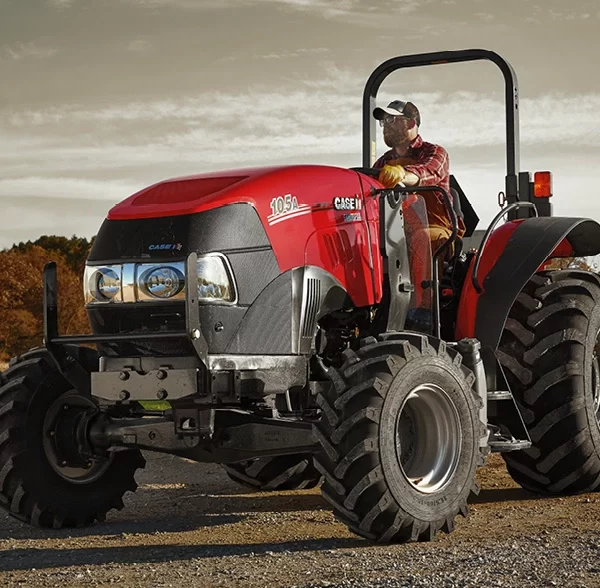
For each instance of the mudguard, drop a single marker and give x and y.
(510, 263)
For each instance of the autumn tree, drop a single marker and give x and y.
(74, 250)
(21, 297)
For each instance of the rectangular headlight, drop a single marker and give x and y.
(102, 283)
(215, 283)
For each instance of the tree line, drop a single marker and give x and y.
(21, 291)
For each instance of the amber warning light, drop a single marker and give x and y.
(542, 184)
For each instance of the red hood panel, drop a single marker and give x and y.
(188, 195)
(179, 191)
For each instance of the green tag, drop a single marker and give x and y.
(154, 404)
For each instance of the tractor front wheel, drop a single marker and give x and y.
(45, 479)
(400, 434)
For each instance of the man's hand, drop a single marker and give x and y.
(391, 175)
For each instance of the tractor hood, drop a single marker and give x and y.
(193, 194)
(301, 214)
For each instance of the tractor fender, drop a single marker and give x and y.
(514, 254)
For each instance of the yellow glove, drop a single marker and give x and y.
(391, 175)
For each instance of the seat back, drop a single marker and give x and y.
(456, 203)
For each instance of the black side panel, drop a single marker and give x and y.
(268, 326)
(219, 324)
(530, 245)
(253, 271)
(236, 226)
(283, 319)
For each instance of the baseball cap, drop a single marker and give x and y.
(398, 108)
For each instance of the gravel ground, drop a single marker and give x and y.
(188, 524)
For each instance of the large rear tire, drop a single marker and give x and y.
(400, 437)
(43, 481)
(285, 472)
(549, 350)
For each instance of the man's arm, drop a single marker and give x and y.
(431, 169)
(411, 179)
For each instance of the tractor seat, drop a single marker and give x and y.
(456, 203)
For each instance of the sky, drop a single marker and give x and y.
(100, 98)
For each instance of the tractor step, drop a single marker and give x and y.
(499, 395)
(503, 444)
(502, 441)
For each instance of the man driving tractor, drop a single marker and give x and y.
(415, 162)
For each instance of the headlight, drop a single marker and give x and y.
(102, 284)
(160, 282)
(153, 282)
(214, 279)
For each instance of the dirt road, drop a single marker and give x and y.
(189, 525)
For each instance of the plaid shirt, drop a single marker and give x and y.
(431, 163)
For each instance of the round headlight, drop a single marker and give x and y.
(162, 282)
(108, 283)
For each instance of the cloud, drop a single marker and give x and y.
(324, 109)
(61, 3)
(139, 46)
(66, 188)
(288, 54)
(327, 8)
(29, 50)
(27, 218)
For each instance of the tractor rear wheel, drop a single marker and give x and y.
(550, 351)
(285, 472)
(44, 478)
(400, 434)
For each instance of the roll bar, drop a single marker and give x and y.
(511, 100)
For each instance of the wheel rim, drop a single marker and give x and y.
(596, 377)
(64, 426)
(428, 438)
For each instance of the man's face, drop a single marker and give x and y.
(395, 130)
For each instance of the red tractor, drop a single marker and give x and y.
(261, 319)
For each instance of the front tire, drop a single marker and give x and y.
(549, 350)
(400, 437)
(43, 481)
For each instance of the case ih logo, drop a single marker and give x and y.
(166, 247)
(347, 203)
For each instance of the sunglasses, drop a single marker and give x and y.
(390, 119)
